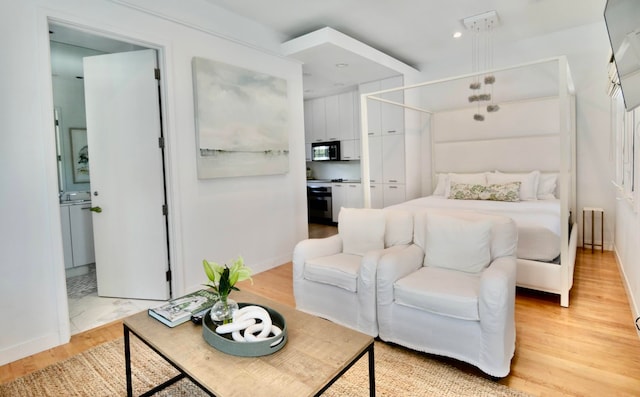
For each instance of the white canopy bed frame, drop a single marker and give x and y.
(533, 130)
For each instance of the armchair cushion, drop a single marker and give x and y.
(456, 243)
(399, 228)
(441, 291)
(340, 270)
(361, 230)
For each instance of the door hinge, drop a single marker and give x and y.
(156, 73)
(168, 275)
(161, 142)
(164, 209)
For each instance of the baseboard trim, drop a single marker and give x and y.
(27, 348)
(632, 302)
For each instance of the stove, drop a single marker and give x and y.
(319, 202)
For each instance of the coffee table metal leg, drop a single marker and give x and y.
(127, 361)
(372, 381)
(372, 374)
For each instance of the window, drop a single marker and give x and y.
(626, 126)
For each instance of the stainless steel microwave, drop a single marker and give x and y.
(325, 151)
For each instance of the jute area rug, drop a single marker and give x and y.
(100, 372)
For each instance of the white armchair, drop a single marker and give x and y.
(335, 277)
(452, 292)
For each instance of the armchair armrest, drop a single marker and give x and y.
(367, 289)
(497, 313)
(394, 265)
(370, 260)
(497, 292)
(314, 248)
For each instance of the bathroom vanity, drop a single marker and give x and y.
(77, 233)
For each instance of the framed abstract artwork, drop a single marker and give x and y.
(242, 121)
(79, 155)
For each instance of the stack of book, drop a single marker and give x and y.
(179, 310)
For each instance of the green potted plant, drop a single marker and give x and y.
(222, 279)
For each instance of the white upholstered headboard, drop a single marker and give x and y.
(522, 136)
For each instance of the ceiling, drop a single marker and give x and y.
(416, 32)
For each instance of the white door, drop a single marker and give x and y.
(127, 181)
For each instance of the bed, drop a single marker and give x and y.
(539, 221)
(531, 138)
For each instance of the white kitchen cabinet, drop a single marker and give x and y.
(375, 159)
(307, 152)
(377, 195)
(345, 194)
(77, 234)
(308, 122)
(391, 116)
(350, 149)
(355, 196)
(373, 108)
(384, 118)
(384, 195)
(332, 118)
(393, 194)
(347, 116)
(393, 158)
(387, 157)
(318, 131)
(338, 198)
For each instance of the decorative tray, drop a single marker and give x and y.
(263, 347)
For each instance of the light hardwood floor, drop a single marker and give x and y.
(588, 349)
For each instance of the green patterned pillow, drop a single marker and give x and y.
(464, 191)
(502, 192)
(495, 192)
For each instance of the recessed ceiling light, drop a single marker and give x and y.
(342, 65)
(457, 35)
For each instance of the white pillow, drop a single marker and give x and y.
(457, 244)
(361, 230)
(547, 186)
(467, 179)
(441, 186)
(528, 182)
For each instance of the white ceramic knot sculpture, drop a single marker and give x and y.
(245, 328)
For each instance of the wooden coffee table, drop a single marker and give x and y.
(317, 353)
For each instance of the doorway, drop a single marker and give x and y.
(68, 48)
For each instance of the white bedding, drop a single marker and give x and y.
(538, 221)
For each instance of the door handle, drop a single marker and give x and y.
(96, 209)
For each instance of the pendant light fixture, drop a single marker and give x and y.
(481, 27)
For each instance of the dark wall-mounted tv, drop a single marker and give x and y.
(622, 18)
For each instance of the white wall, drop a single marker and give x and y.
(628, 251)
(259, 217)
(587, 52)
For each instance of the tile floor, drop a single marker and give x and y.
(87, 310)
